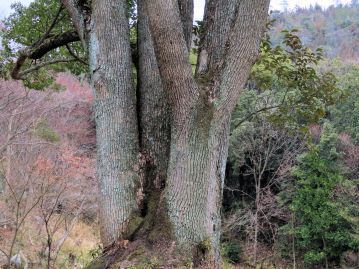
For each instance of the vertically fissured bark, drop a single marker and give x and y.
(115, 116)
(170, 143)
(183, 119)
(201, 110)
(154, 120)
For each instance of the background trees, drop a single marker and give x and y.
(322, 225)
(334, 29)
(264, 148)
(46, 159)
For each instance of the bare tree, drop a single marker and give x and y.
(44, 170)
(265, 154)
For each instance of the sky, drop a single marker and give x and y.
(199, 5)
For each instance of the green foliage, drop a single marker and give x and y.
(286, 92)
(205, 245)
(26, 26)
(40, 80)
(131, 11)
(344, 114)
(193, 60)
(96, 252)
(232, 251)
(288, 85)
(197, 30)
(291, 87)
(321, 230)
(44, 131)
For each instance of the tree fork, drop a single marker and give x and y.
(175, 133)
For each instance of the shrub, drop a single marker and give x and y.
(232, 251)
(322, 229)
(44, 131)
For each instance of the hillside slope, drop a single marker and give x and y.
(335, 29)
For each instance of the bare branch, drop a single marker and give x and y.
(73, 54)
(79, 19)
(22, 74)
(39, 50)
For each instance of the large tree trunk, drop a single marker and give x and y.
(183, 128)
(196, 152)
(154, 120)
(170, 144)
(115, 115)
(195, 182)
(186, 14)
(201, 112)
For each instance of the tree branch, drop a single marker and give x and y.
(250, 115)
(218, 17)
(186, 13)
(36, 52)
(21, 75)
(73, 54)
(78, 16)
(241, 51)
(39, 50)
(51, 26)
(171, 52)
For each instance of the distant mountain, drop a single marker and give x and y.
(335, 29)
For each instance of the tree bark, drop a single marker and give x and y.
(201, 114)
(154, 118)
(183, 127)
(186, 14)
(195, 182)
(115, 115)
(218, 20)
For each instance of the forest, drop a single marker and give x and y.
(134, 137)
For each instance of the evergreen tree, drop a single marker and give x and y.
(322, 229)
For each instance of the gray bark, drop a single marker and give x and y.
(115, 114)
(201, 112)
(79, 19)
(218, 19)
(186, 14)
(154, 115)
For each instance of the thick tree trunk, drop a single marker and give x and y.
(116, 120)
(197, 160)
(218, 19)
(183, 128)
(154, 119)
(201, 112)
(186, 13)
(195, 182)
